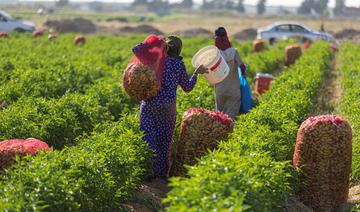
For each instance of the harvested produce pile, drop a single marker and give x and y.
(141, 29)
(200, 130)
(140, 81)
(52, 36)
(307, 44)
(258, 45)
(79, 40)
(323, 153)
(3, 35)
(194, 32)
(292, 53)
(38, 33)
(10, 148)
(246, 34)
(79, 25)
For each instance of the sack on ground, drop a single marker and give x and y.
(10, 148)
(292, 53)
(323, 156)
(201, 130)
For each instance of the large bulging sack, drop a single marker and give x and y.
(200, 130)
(258, 45)
(323, 156)
(10, 148)
(292, 53)
(79, 40)
(4, 35)
(143, 75)
(140, 82)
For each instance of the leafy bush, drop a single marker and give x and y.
(57, 121)
(349, 67)
(95, 176)
(48, 83)
(109, 94)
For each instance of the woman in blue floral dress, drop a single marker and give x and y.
(158, 114)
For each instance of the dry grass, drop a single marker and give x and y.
(237, 23)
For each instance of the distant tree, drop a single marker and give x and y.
(339, 7)
(320, 6)
(96, 6)
(305, 7)
(61, 3)
(205, 4)
(261, 7)
(223, 4)
(187, 3)
(160, 7)
(139, 2)
(228, 4)
(240, 6)
(213, 4)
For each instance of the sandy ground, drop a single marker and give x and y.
(235, 24)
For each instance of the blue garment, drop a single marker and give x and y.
(158, 114)
(246, 95)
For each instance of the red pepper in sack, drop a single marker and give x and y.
(10, 148)
(142, 77)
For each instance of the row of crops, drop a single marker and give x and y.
(349, 66)
(69, 96)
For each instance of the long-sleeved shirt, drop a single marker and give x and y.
(174, 75)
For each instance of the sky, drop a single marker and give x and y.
(251, 2)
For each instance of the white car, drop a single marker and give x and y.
(286, 30)
(8, 24)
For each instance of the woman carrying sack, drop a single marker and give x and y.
(227, 92)
(158, 114)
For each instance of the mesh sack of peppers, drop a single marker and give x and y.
(201, 130)
(142, 77)
(323, 155)
(9, 149)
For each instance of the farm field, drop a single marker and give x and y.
(183, 20)
(70, 97)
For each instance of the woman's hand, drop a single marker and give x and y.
(201, 70)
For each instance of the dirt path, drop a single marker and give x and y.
(330, 92)
(148, 197)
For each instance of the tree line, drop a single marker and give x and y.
(237, 5)
(319, 7)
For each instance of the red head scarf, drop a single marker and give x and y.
(222, 42)
(151, 52)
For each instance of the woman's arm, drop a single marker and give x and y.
(237, 58)
(186, 84)
(239, 62)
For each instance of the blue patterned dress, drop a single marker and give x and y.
(158, 114)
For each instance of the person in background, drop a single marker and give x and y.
(158, 114)
(227, 92)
